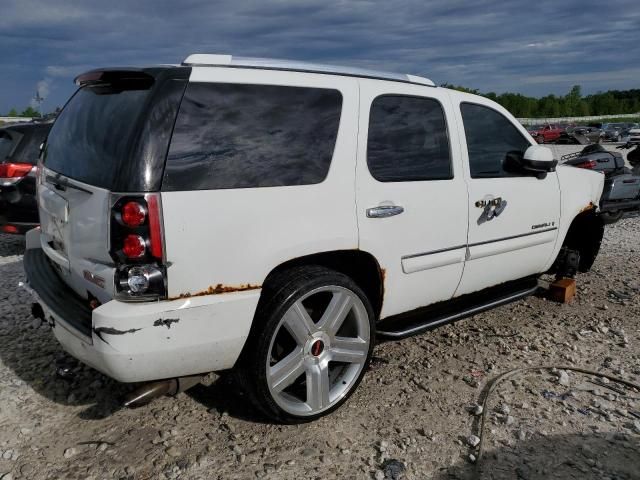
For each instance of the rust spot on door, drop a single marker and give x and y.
(218, 289)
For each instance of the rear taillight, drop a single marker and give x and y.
(9, 229)
(133, 246)
(155, 227)
(133, 214)
(137, 247)
(12, 172)
(590, 164)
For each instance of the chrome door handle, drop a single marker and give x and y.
(491, 207)
(489, 202)
(384, 211)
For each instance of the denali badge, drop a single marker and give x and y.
(95, 279)
(543, 225)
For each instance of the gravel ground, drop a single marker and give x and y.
(412, 417)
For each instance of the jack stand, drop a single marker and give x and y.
(562, 290)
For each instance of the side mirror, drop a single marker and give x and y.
(538, 160)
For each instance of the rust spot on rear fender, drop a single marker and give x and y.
(591, 206)
(383, 277)
(217, 290)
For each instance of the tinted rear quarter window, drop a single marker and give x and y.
(407, 140)
(490, 136)
(245, 136)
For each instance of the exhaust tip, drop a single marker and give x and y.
(146, 393)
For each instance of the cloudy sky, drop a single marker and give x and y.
(533, 47)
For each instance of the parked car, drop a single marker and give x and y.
(621, 189)
(547, 133)
(591, 133)
(632, 135)
(19, 150)
(277, 217)
(613, 131)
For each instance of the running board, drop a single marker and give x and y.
(427, 318)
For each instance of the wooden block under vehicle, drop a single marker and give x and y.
(562, 290)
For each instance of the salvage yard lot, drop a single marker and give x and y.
(411, 407)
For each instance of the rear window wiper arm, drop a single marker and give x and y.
(62, 184)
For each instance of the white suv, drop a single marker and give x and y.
(271, 216)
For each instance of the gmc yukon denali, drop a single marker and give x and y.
(274, 218)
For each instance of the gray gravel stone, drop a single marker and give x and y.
(563, 378)
(173, 452)
(70, 452)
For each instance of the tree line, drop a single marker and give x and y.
(573, 104)
(27, 112)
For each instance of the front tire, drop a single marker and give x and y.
(311, 343)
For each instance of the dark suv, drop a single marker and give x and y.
(19, 150)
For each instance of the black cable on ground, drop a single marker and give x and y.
(516, 371)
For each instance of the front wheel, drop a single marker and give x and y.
(310, 345)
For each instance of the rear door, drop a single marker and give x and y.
(411, 194)
(513, 216)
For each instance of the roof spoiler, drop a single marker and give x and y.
(120, 79)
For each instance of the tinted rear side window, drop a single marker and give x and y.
(490, 136)
(407, 140)
(243, 136)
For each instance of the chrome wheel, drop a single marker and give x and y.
(318, 350)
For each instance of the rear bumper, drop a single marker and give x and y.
(133, 342)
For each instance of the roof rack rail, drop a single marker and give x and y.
(210, 60)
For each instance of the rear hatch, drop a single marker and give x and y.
(109, 142)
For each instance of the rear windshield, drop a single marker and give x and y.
(93, 136)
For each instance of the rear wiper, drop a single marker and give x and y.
(62, 184)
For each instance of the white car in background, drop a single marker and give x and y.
(633, 135)
(277, 217)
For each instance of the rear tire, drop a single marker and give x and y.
(611, 217)
(310, 344)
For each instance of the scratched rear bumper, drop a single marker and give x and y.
(134, 342)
